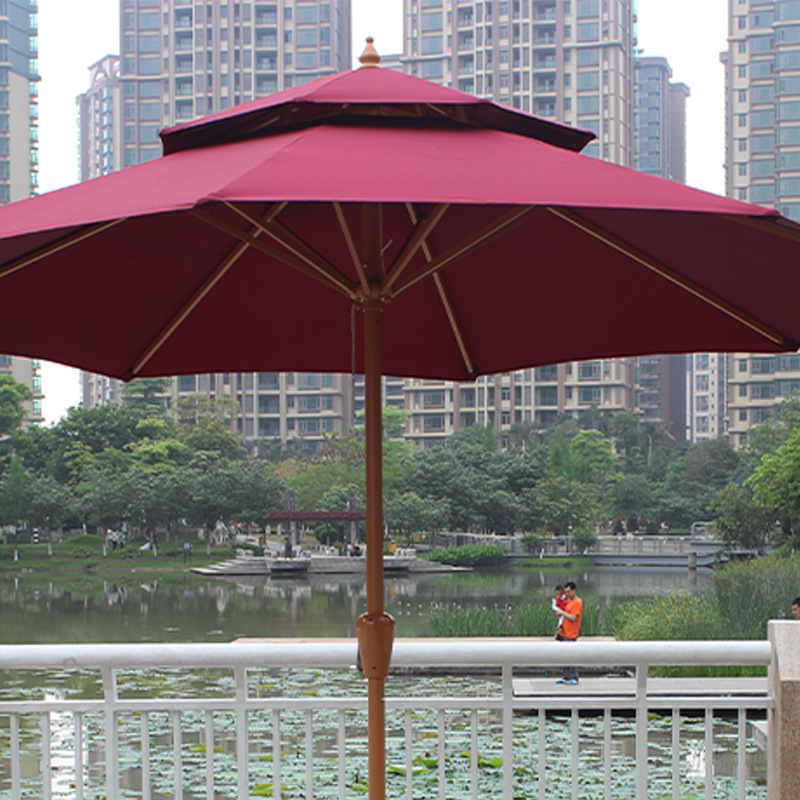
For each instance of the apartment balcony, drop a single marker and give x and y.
(240, 729)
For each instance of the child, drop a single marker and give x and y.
(558, 604)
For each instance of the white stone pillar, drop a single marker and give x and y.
(784, 720)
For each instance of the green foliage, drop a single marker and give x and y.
(776, 483)
(632, 496)
(532, 542)
(583, 539)
(84, 546)
(148, 394)
(207, 426)
(408, 513)
(15, 494)
(748, 594)
(741, 521)
(559, 504)
(676, 616)
(470, 555)
(521, 620)
(13, 396)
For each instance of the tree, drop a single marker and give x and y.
(15, 495)
(409, 513)
(211, 490)
(51, 503)
(742, 522)
(591, 457)
(13, 396)
(206, 426)
(631, 496)
(559, 505)
(147, 394)
(776, 483)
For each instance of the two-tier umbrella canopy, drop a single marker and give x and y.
(468, 238)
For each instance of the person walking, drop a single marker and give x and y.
(571, 615)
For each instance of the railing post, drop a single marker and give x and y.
(112, 734)
(508, 732)
(641, 731)
(242, 755)
(783, 770)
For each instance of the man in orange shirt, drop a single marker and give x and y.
(571, 628)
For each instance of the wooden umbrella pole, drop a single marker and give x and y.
(375, 628)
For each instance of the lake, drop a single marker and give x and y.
(142, 607)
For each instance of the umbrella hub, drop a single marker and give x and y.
(370, 57)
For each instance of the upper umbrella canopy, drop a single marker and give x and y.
(241, 249)
(390, 96)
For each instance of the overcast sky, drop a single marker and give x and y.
(76, 33)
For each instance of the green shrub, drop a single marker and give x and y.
(532, 542)
(750, 593)
(532, 619)
(83, 546)
(673, 616)
(470, 555)
(584, 539)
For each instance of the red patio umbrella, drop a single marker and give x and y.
(470, 238)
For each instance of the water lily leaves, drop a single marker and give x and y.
(201, 748)
(266, 789)
(400, 769)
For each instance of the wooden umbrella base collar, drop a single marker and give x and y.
(375, 641)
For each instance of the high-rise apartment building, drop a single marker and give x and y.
(19, 149)
(660, 120)
(706, 396)
(762, 165)
(569, 60)
(19, 104)
(27, 371)
(187, 58)
(99, 120)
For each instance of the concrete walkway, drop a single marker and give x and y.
(656, 687)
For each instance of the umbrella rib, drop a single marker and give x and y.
(481, 237)
(332, 282)
(451, 317)
(351, 246)
(443, 296)
(293, 243)
(55, 247)
(170, 328)
(669, 274)
(420, 232)
(774, 225)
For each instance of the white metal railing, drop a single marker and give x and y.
(228, 726)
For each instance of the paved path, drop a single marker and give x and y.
(656, 687)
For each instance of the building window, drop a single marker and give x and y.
(589, 370)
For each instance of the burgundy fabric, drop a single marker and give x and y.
(541, 292)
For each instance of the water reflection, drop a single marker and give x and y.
(185, 607)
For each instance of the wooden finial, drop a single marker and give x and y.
(370, 57)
